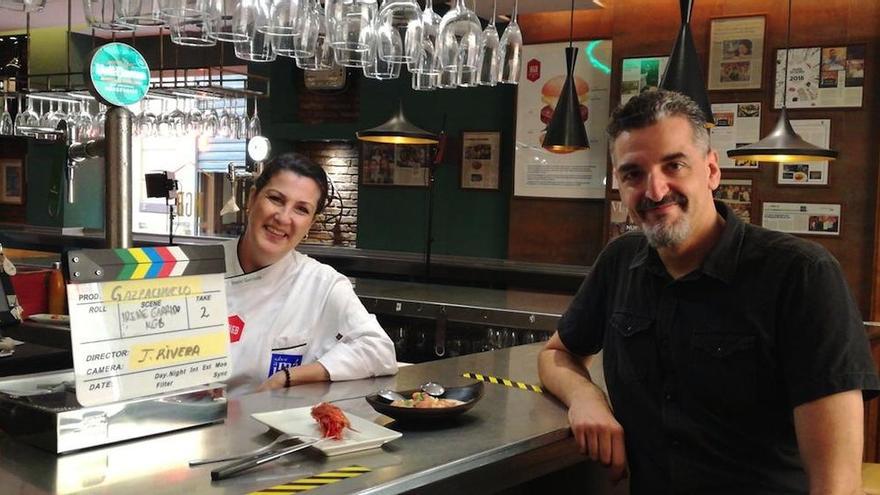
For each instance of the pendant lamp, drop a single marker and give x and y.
(683, 73)
(397, 130)
(783, 144)
(566, 132)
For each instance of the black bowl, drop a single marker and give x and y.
(469, 394)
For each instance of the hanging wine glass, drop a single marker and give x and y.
(310, 26)
(183, 8)
(177, 118)
(351, 17)
(148, 121)
(98, 122)
(376, 67)
(191, 31)
(226, 128)
(323, 56)
(282, 45)
(254, 127)
(489, 52)
(458, 40)
(195, 119)
(138, 13)
(284, 19)
(23, 5)
(424, 73)
(101, 14)
(241, 123)
(225, 15)
(400, 24)
(6, 125)
(211, 124)
(510, 52)
(257, 47)
(448, 78)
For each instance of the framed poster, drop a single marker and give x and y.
(640, 74)
(12, 185)
(736, 53)
(802, 218)
(814, 131)
(480, 160)
(538, 172)
(736, 124)
(821, 77)
(737, 194)
(395, 164)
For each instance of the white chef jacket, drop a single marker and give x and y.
(298, 311)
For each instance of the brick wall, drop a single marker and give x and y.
(340, 161)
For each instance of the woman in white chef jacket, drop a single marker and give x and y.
(292, 319)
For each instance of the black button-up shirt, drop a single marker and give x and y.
(703, 372)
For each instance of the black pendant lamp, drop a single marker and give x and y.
(783, 144)
(683, 73)
(566, 131)
(397, 130)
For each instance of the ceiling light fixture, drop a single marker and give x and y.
(397, 130)
(566, 131)
(683, 73)
(783, 144)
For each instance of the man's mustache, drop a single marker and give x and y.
(647, 204)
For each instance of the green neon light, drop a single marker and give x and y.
(595, 62)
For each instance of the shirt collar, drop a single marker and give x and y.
(722, 260)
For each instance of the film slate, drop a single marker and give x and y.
(146, 321)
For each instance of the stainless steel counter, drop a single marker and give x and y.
(510, 436)
(521, 309)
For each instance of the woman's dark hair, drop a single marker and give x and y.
(300, 165)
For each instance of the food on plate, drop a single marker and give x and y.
(331, 420)
(800, 176)
(421, 400)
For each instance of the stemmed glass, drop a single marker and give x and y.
(194, 119)
(285, 18)
(510, 53)
(398, 16)
(254, 128)
(226, 128)
(6, 125)
(211, 122)
(377, 67)
(424, 72)
(256, 45)
(26, 119)
(241, 124)
(350, 19)
(177, 119)
(489, 46)
(147, 119)
(228, 18)
(458, 41)
(83, 122)
(323, 52)
(98, 122)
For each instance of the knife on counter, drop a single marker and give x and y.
(234, 468)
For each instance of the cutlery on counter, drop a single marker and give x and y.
(247, 463)
(283, 438)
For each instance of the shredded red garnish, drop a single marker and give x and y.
(331, 419)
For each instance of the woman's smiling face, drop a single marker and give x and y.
(279, 217)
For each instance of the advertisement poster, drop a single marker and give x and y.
(620, 221)
(736, 53)
(821, 77)
(813, 131)
(640, 74)
(736, 124)
(736, 194)
(796, 218)
(538, 172)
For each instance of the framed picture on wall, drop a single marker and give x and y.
(12, 185)
(736, 53)
(821, 77)
(480, 160)
(814, 131)
(802, 218)
(640, 74)
(395, 164)
(738, 195)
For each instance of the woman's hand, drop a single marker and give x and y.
(273, 382)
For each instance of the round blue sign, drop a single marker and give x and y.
(118, 75)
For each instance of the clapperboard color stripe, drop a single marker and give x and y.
(504, 381)
(104, 265)
(316, 481)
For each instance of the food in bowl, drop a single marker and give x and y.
(421, 400)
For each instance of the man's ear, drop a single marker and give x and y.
(714, 169)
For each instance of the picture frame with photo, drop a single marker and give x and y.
(12, 181)
(813, 131)
(738, 195)
(736, 52)
(480, 160)
(812, 219)
(406, 165)
(820, 77)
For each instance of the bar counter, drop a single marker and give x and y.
(509, 437)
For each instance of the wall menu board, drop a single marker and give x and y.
(146, 321)
(538, 172)
(821, 77)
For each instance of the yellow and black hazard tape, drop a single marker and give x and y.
(316, 481)
(507, 382)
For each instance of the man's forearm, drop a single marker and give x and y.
(565, 376)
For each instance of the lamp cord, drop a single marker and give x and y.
(787, 48)
(571, 26)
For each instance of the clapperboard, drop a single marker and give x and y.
(146, 321)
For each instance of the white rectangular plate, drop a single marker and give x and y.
(364, 435)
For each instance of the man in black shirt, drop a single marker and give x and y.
(734, 356)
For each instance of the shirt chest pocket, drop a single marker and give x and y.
(632, 352)
(724, 370)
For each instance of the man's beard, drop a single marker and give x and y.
(663, 235)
